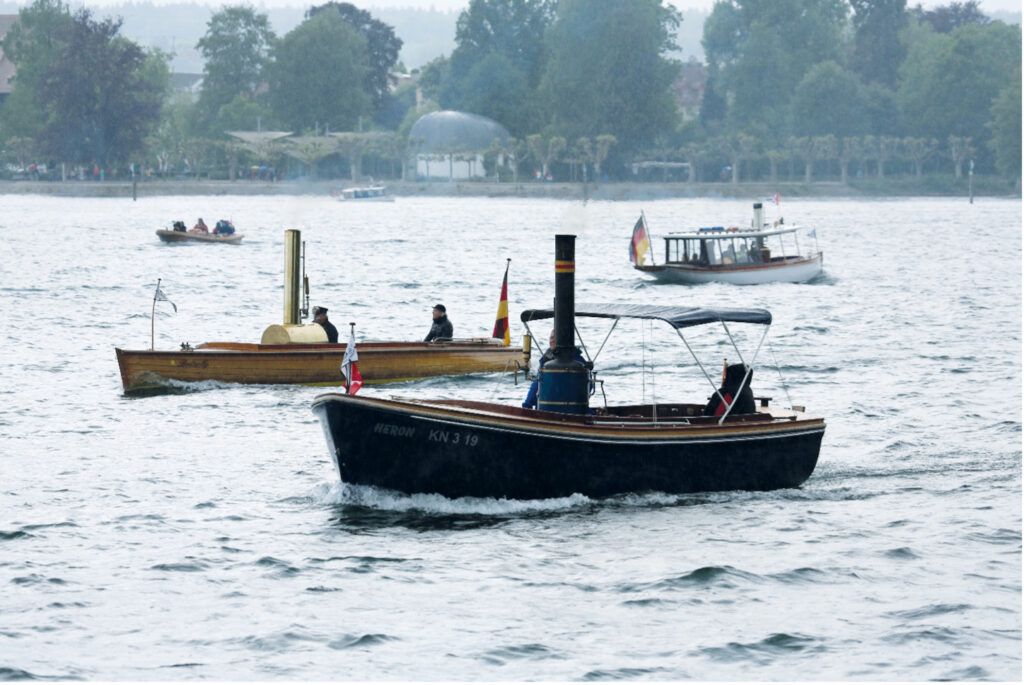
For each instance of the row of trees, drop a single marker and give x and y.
(858, 67)
(588, 83)
(747, 158)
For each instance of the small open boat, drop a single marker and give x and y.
(761, 253)
(296, 353)
(462, 448)
(365, 194)
(169, 236)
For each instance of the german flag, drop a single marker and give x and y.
(640, 243)
(501, 319)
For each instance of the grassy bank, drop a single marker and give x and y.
(935, 185)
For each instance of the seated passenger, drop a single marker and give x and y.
(200, 227)
(733, 386)
(441, 328)
(223, 227)
(179, 226)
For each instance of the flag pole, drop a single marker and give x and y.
(348, 371)
(152, 317)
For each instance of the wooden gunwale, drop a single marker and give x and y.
(583, 427)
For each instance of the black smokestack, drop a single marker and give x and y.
(565, 296)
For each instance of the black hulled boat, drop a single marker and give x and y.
(467, 448)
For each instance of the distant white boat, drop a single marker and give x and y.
(761, 253)
(365, 194)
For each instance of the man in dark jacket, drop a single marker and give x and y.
(442, 328)
(320, 317)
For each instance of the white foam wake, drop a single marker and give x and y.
(389, 500)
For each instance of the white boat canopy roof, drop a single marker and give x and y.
(677, 317)
(725, 234)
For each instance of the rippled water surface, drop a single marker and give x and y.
(203, 534)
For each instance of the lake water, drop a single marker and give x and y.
(204, 534)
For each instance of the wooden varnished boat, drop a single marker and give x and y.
(300, 354)
(169, 236)
(461, 448)
(313, 364)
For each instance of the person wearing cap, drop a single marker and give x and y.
(441, 328)
(320, 317)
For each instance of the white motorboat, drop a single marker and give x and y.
(761, 253)
(365, 194)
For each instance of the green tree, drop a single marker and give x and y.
(918, 150)
(433, 77)
(881, 111)
(166, 146)
(496, 88)
(607, 70)
(33, 43)
(950, 80)
(878, 49)
(382, 45)
(545, 151)
(1005, 127)
(602, 148)
(829, 99)
(318, 75)
(960, 150)
(947, 18)
(101, 96)
(513, 29)
(758, 52)
(498, 60)
(236, 50)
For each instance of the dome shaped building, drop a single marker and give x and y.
(451, 145)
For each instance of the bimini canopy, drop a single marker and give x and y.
(677, 317)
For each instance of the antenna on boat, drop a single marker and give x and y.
(305, 284)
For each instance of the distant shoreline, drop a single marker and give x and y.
(624, 190)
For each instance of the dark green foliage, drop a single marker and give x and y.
(317, 79)
(395, 106)
(607, 72)
(829, 99)
(236, 50)
(382, 45)
(498, 62)
(949, 81)
(877, 48)
(496, 88)
(1005, 127)
(33, 44)
(433, 77)
(759, 52)
(513, 29)
(99, 96)
(947, 18)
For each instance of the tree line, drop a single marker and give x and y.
(794, 88)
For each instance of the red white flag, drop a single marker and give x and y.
(350, 366)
